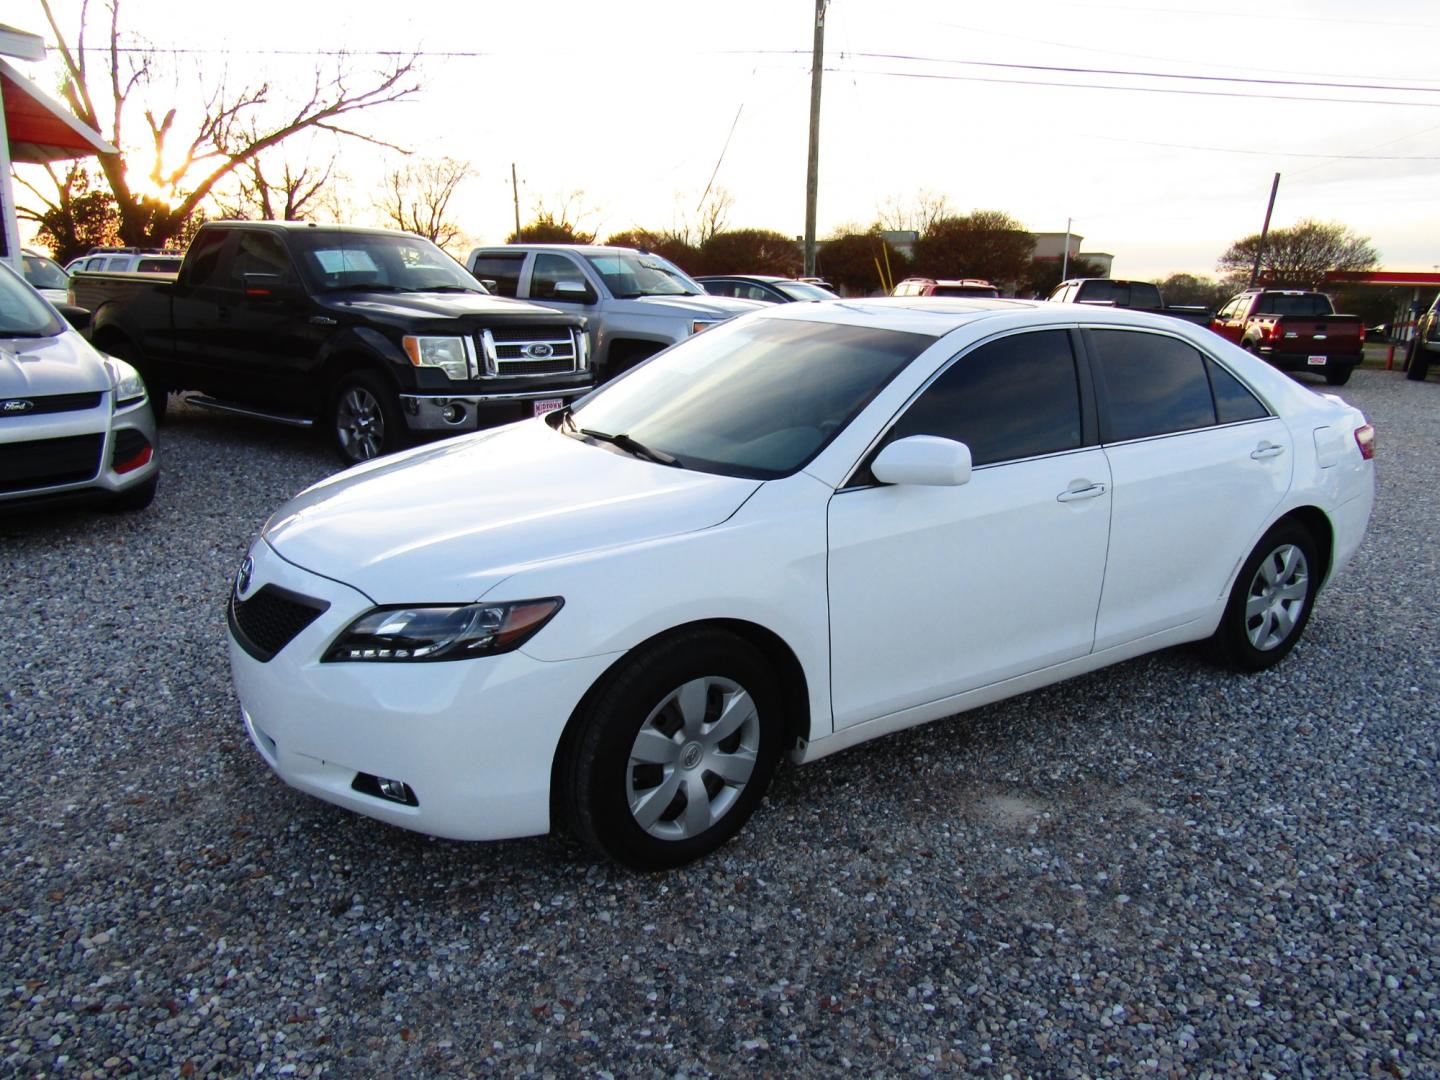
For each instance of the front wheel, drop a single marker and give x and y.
(1271, 601)
(364, 418)
(1419, 364)
(676, 751)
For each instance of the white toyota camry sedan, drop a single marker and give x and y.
(800, 530)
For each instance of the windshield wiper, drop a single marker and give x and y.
(624, 442)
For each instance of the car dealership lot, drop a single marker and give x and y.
(1158, 866)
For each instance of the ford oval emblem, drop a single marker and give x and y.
(242, 579)
(539, 350)
(20, 405)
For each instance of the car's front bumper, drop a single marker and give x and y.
(459, 413)
(475, 740)
(93, 454)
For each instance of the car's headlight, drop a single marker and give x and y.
(129, 386)
(446, 353)
(400, 634)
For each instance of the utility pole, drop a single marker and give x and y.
(1264, 232)
(1065, 253)
(515, 187)
(812, 175)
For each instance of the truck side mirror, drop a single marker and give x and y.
(77, 317)
(574, 290)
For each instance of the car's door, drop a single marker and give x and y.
(1199, 465)
(193, 300)
(939, 590)
(1229, 321)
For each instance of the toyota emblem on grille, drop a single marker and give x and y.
(21, 405)
(242, 579)
(538, 350)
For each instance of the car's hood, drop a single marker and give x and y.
(703, 306)
(436, 305)
(451, 521)
(39, 367)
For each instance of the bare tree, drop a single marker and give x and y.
(288, 193)
(235, 126)
(917, 214)
(417, 197)
(557, 223)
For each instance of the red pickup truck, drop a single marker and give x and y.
(1294, 330)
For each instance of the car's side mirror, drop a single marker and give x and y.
(574, 290)
(77, 317)
(267, 287)
(489, 283)
(926, 460)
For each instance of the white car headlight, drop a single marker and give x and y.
(446, 353)
(400, 634)
(129, 386)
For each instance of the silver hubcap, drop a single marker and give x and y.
(1277, 597)
(360, 424)
(692, 758)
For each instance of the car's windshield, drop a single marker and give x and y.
(634, 273)
(44, 273)
(22, 312)
(803, 290)
(378, 262)
(1279, 303)
(758, 398)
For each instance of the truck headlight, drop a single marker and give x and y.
(702, 324)
(403, 634)
(129, 386)
(446, 353)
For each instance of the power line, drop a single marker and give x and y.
(1263, 153)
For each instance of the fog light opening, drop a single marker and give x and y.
(453, 413)
(382, 787)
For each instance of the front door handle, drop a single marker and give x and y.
(1080, 489)
(1266, 450)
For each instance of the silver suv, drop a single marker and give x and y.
(635, 303)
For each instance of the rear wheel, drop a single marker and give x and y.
(1338, 376)
(1271, 601)
(364, 418)
(676, 751)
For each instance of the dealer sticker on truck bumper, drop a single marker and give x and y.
(545, 405)
(1314, 361)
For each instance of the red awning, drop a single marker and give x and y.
(1421, 278)
(41, 129)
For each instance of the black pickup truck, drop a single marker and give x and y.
(378, 335)
(1137, 295)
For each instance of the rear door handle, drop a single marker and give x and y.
(1266, 450)
(1080, 490)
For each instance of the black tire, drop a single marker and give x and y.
(1255, 640)
(1338, 376)
(158, 394)
(637, 811)
(364, 418)
(136, 498)
(1418, 365)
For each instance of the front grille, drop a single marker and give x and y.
(52, 403)
(270, 620)
(509, 352)
(49, 462)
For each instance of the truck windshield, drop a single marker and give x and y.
(629, 274)
(758, 398)
(1279, 303)
(377, 262)
(22, 313)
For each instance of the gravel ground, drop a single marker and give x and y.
(1157, 869)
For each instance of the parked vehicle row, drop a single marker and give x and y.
(788, 535)
(1116, 292)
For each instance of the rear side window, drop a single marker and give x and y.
(1153, 385)
(1233, 401)
(504, 270)
(1017, 397)
(161, 265)
(202, 263)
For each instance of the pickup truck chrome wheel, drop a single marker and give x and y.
(673, 750)
(1271, 600)
(365, 422)
(692, 758)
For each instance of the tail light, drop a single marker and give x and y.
(1365, 439)
(1362, 336)
(1272, 331)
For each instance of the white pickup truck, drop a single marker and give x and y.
(635, 303)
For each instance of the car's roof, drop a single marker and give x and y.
(764, 279)
(583, 249)
(302, 226)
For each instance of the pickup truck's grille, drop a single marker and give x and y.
(52, 403)
(510, 352)
(270, 620)
(49, 462)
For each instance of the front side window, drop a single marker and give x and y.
(1154, 384)
(202, 262)
(503, 270)
(631, 274)
(550, 271)
(756, 398)
(258, 253)
(1016, 397)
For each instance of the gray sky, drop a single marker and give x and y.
(632, 102)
